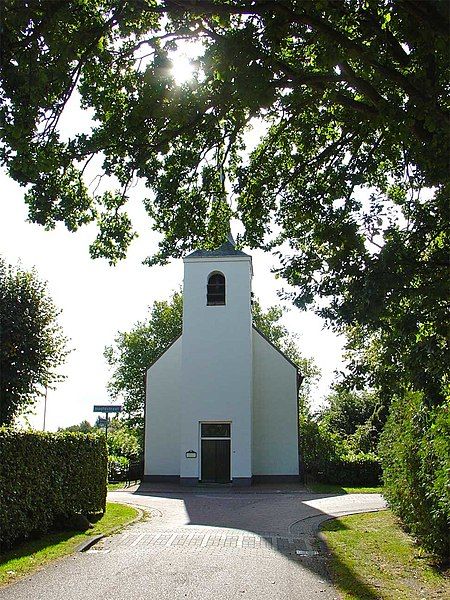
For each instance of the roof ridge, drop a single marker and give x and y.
(227, 248)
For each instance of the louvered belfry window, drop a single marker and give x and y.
(215, 295)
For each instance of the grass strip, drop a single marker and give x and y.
(34, 554)
(373, 559)
(112, 487)
(330, 488)
(122, 485)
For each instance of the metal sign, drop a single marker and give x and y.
(107, 408)
(101, 422)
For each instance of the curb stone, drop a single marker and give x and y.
(87, 544)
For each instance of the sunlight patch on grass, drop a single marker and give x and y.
(372, 558)
(34, 554)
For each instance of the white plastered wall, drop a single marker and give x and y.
(162, 413)
(217, 361)
(275, 418)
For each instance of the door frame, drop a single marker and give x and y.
(230, 437)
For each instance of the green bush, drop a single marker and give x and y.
(352, 469)
(415, 453)
(123, 440)
(331, 457)
(46, 477)
(118, 467)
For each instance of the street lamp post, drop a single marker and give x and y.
(106, 428)
(45, 408)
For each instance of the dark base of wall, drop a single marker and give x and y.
(190, 481)
(276, 478)
(237, 481)
(242, 481)
(161, 478)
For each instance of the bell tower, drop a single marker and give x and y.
(216, 371)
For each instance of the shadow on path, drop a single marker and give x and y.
(289, 514)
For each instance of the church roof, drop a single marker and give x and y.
(226, 249)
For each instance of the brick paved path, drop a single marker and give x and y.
(193, 538)
(203, 546)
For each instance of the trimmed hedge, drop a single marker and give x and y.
(45, 478)
(358, 469)
(415, 452)
(327, 457)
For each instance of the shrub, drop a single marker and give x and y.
(118, 468)
(331, 457)
(46, 477)
(415, 453)
(123, 440)
(352, 469)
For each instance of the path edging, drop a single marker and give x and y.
(87, 544)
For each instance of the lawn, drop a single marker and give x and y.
(112, 487)
(34, 554)
(121, 485)
(373, 559)
(330, 488)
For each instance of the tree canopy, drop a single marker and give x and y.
(32, 344)
(349, 182)
(133, 352)
(346, 411)
(83, 427)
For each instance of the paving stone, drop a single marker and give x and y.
(208, 539)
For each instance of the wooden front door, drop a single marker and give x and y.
(216, 452)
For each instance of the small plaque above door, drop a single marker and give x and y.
(191, 454)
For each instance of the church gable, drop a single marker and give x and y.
(162, 412)
(275, 410)
(164, 352)
(280, 352)
(255, 329)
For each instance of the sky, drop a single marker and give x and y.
(98, 300)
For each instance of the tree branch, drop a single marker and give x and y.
(361, 84)
(266, 7)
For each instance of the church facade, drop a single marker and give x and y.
(221, 401)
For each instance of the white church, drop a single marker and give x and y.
(221, 401)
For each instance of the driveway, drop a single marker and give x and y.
(257, 544)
